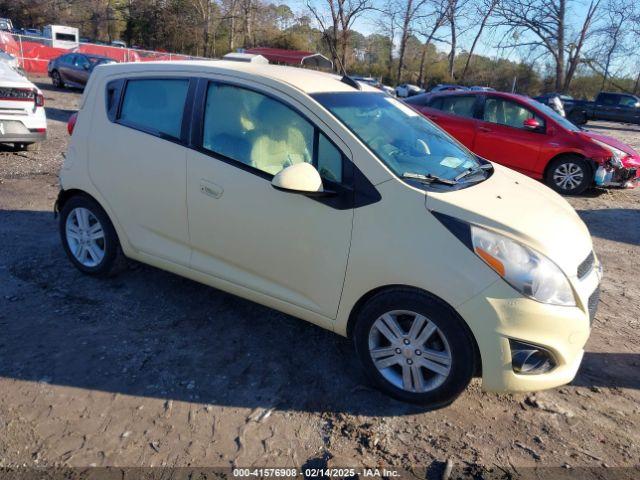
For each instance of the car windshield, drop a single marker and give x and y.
(555, 116)
(405, 141)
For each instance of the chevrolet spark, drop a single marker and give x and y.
(333, 202)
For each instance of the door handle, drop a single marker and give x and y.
(484, 129)
(211, 189)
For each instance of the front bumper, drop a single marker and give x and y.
(625, 176)
(499, 314)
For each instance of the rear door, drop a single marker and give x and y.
(502, 138)
(138, 161)
(65, 68)
(455, 114)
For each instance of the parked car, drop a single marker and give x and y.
(6, 25)
(374, 82)
(405, 90)
(553, 101)
(616, 107)
(74, 69)
(335, 203)
(9, 59)
(446, 88)
(23, 121)
(119, 44)
(482, 89)
(525, 135)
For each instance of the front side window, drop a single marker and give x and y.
(608, 99)
(506, 112)
(627, 101)
(400, 137)
(261, 132)
(461, 106)
(155, 105)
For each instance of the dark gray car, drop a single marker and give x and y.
(74, 69)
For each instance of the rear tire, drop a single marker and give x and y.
(56, 79)
(569, 175)
(88, 237)
(424, 353)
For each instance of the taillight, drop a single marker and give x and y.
(39, 100)
(72, 123)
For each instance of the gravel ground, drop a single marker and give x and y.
(149, 369)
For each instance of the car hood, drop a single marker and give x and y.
(609, 141)
(523, 209)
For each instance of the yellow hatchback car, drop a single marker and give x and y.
(336, 203)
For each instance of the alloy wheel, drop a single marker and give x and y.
(568, 176)
(409, 351)
(85, 237)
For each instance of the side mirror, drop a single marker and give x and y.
(299, 178)
(86, 66)
(531, 124)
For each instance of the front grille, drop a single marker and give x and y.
(592, 304)
(585, 267)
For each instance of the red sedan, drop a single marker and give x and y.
(525, 135)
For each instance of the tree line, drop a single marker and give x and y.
(570, 46)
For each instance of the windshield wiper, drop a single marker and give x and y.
(428, 178)
(473, 171)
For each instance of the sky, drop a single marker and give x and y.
(487, 45)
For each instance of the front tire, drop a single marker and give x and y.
(578, 117)
(569, 175)
(88, 237)
(414, 347)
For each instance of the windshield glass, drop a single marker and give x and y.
(402, 138)
(555, 116)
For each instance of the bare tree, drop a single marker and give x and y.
(618, 13)
(411, 11)
(430, 24)
(544, 23)
(485, 8)
(337, 29)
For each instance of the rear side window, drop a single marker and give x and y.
(457, 105)
(155, 105)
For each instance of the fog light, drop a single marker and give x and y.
(528, 359)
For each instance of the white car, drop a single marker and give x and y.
(338, 204)
(407, 90)
(23, 121)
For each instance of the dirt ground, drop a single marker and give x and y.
(150, 369)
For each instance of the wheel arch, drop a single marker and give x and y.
(65, 195)
(406, 288)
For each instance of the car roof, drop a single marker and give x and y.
(308, 81)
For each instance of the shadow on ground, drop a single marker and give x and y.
(59, 114)
(619, 127)
(617, 224)
(151, 333)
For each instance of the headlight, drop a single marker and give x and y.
(526, 270)
(616, 154)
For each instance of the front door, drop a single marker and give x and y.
(502, 138)
(284, 245)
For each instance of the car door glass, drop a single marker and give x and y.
(609, 100)
(155, 105)
(627, 101)
(255, 129)
(329, 160)
(506, 112)
(461, 106)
